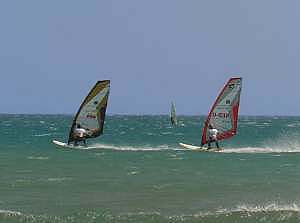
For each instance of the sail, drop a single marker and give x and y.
(224, 113)
(173, 114)
(91, 113)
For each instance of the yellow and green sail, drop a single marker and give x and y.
(91, 114)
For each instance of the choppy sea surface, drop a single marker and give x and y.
(136, 172)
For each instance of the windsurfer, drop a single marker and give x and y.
(212, 136)
(173, 114)
(80, 135)
(173, 121)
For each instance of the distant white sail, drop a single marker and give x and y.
(224, 113)
(173, 114)
(91, 113)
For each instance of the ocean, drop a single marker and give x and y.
(137, 172)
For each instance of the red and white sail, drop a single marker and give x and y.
(223, 115)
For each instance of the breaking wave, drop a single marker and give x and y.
(272, 212)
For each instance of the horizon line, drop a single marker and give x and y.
(147, 114)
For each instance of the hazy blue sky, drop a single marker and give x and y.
(53, 52)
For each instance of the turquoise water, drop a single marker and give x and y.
(136, 172)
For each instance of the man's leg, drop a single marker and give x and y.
(217, 144)
(208, 145)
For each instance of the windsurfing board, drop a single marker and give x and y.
(66, 145)
(198, 148)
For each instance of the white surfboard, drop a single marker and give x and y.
(198, 148)
(65, 145)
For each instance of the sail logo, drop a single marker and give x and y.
(221, 114)
(91, 116)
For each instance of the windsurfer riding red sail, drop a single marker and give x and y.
(221, 122)
(212, 136)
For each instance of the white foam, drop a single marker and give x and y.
(267, 208)
(37, 157)
(59, 179)
(261, 150)
(294, 125)
(10, 213)
(40, 135)
(145, 148)
(129, 148)
(175, 157)
(248, 208)
(284, 143)
(133, 173)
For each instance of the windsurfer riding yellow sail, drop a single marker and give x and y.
(80, 134)
(89, 120)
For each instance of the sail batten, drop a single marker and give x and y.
(91, 113)
(224, 113)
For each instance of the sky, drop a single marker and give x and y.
(154, 52)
